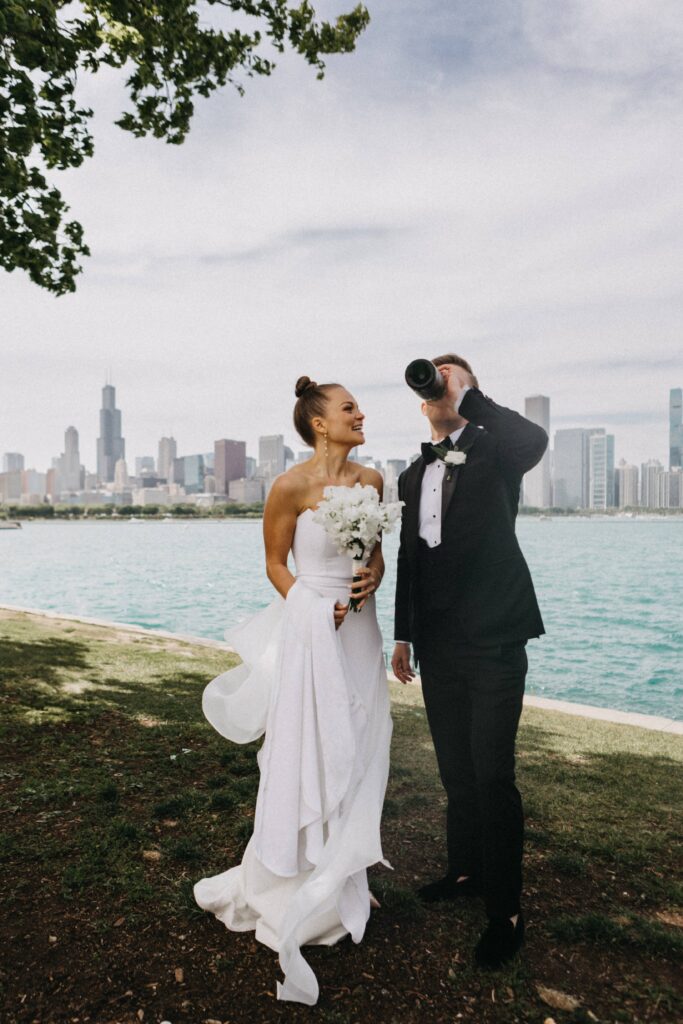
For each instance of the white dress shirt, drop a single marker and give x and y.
(430, 498)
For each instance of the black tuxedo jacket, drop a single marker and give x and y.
(483, 580)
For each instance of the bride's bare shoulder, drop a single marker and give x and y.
(288, 490)
(371, 476)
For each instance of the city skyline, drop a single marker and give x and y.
(578, 469)
(655, 443)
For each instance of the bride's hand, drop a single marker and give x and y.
(367, 585)
(340, 611)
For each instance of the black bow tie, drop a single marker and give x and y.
(428, 453)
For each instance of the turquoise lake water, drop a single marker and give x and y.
(610, 593)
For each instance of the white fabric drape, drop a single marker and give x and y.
(321, 697)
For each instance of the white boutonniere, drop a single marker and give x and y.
(451, 456)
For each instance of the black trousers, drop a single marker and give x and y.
(473, 697)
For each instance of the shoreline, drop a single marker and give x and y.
(656, 723)
(643, 516)
(51, 520)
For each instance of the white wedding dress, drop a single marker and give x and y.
(321, 697)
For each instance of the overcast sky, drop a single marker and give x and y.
(502, 179)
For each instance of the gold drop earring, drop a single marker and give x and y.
(327, 465)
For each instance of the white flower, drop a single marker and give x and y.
(354, 518)
(455, 458)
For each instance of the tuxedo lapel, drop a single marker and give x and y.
(412, 499)
(464, 443)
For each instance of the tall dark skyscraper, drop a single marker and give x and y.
(675, 428)
(537, 480)
(570, 471)
(111, 446)
(230, 463)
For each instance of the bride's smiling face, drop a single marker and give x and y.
(343, 420)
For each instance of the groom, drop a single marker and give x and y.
(466, 603)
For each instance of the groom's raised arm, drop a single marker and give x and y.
(520, 443)
(402, 604)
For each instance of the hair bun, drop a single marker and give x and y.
(302, 385)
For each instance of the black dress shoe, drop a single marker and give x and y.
(500, 942)
(448, 888)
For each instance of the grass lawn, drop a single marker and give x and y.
(116, 796)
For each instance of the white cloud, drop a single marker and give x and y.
(623, 37)
(481, 201)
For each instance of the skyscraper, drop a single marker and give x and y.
(271, 455)
(669, 489)
(10, 485)
(168, 451)
(393, 471)
(601, 469)
(625, 485)
(111, 446)
(70, 462)
(12, 462)
(230, 463)
(121, 481)
(33, 483)
(675, 428)
(176, 472)
(649, 473)
(537, 480)
(570, 468)
(194, 471)
(583, 468)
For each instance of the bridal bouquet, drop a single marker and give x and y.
(354, 518)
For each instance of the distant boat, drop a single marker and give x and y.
(547, 518)
(9, 524)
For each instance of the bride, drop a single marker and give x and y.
(313, 679)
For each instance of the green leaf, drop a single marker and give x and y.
(171, 56)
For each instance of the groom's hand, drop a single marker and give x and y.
(400, 663)
(456, 379)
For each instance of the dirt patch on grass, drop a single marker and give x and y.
(96, 930)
